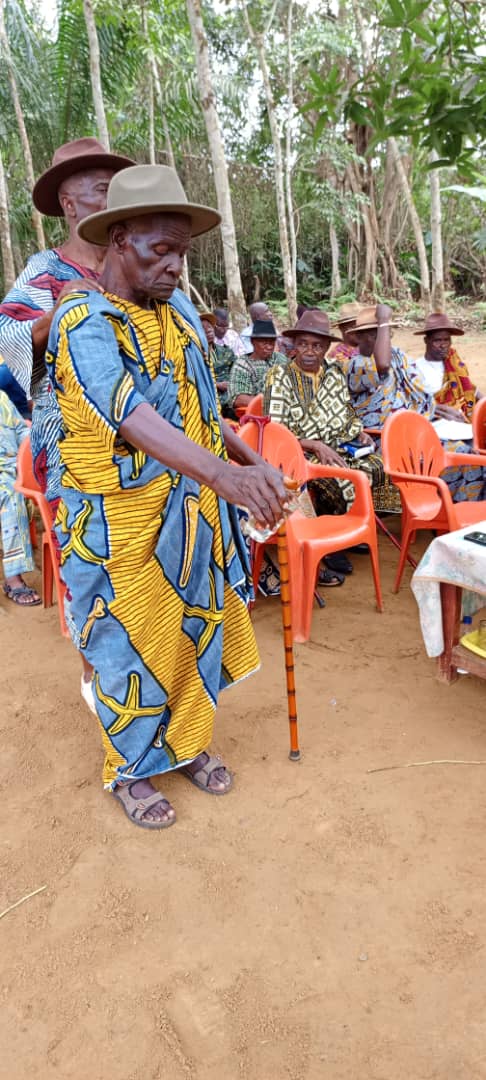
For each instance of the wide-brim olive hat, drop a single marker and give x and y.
(81, 155)
(313, 321)
(142, 190)
(439, 321)
(367, 320)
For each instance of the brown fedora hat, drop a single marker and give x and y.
(348, 313)
(70, 158)
(141, 190)
(312, 321)
(439, 321)
(366, 320)
(207, 316)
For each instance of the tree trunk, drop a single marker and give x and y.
(292, 300)
(416, 226)
(336, 284)
(5, 239)
(95, 73)
(24, 138)
(290, 285)
(236, 300)
(438, 290)
(186, 285)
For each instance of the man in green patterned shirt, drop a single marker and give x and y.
(249, 373)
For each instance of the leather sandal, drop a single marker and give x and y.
(136, 808)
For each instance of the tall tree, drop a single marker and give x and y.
(95, 73)
(236, 300)
(9, 274)
(24, 138)
(284, 204)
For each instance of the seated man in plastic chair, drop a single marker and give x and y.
(443, 372)
(249, 374)
(309, 395)
(14, 520)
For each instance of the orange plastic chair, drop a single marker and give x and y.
(310, 539)
(414, 457)
(254, 407)
(27, 484)
(479, 426)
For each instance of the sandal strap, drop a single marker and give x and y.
(205, 772)
(138, 807)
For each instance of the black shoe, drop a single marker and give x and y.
(360, 549)
(339, 561)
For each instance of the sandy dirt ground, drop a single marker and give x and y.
(320, 923)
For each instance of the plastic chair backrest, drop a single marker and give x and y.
(410, 445)
(279, 447)
(255, 406)
(479, 424)
(27, 484)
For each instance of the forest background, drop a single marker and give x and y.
(340, 140)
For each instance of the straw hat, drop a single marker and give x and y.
(70, 158)
(312, 321)
(348, 313)
(366, 320)
(439, 321)
(141, 190)
(263, 328)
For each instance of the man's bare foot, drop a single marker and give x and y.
(144, 805)
(209, 774)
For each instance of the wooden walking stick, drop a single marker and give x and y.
(283, 564)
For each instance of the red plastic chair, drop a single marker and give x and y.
(27, 484)
(479, 426)
(414, 458)
(310, 539)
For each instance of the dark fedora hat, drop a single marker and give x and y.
(312, 321)
(142, 190)
(263, 328)
(439, 321)
(70, 158)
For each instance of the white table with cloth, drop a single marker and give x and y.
(449, 580)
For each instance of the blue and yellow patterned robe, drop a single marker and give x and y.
(154, 562)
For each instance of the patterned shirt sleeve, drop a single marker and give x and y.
(92, 385)
(241, 380)
(362, 373)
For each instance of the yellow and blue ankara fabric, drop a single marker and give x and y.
(154, 563)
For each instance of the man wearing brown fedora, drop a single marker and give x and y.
(443, 372)
(152, 554)
(309, 395)
(222, 357)
(381, 378)
(74, 186)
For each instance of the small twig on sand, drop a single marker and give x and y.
(420, 764)
(22, 901)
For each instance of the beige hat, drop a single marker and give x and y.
(141, 190)
(348, 313)
(366, 320)
(78, 156)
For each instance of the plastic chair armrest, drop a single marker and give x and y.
(358, 479)
(464, 459)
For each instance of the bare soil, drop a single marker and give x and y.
(320, 923)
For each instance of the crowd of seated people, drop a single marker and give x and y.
(334, 391)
